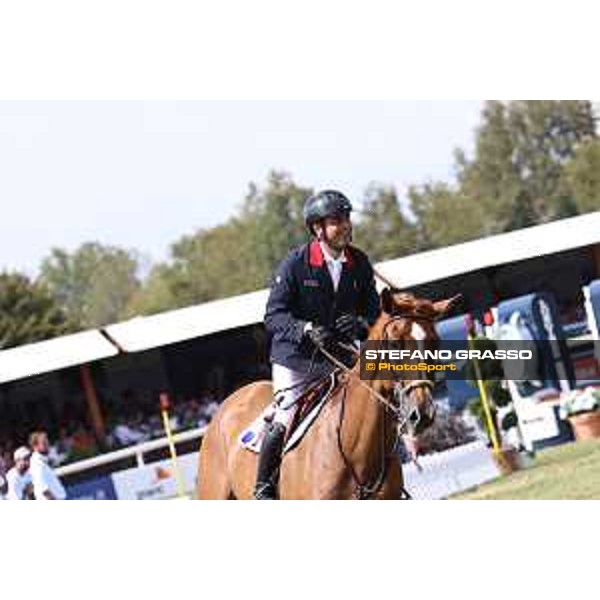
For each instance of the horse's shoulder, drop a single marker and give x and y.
(250, 389)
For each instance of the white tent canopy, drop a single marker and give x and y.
(55, 354)
(558, 236)
(142, 333)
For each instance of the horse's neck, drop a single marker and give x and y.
(364, 427)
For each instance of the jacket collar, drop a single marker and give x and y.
(317, 259)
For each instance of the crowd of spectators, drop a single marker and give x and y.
(138, 428)
(75, 440)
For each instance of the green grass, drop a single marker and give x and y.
(571, 471)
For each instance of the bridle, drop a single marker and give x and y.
(411, 415)
(406, 414)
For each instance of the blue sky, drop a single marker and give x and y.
(140, 175)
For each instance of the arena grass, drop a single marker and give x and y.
(568, 472)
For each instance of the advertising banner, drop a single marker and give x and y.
(156, 481)
(100, 488)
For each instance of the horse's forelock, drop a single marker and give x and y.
(406, 305)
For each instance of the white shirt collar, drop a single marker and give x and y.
(39, 456)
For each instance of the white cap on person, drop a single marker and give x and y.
(21, 453)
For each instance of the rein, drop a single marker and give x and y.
(401, 413)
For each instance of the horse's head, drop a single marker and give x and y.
(411, 321)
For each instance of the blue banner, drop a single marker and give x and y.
(101, 488)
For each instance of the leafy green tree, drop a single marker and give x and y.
(519, 175)
(274, 217)
(28, 312)
(581, 179)
(233, 258)
(94, 283)
(212, 264)
(382, 229)
(521, 151)
(444, 216)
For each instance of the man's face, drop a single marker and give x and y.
(22, 465)
(42, 444)
(336, 231)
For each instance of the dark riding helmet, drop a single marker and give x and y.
(328, 203)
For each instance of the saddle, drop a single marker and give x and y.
(307, 409)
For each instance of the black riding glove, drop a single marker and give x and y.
(351, 328)
(319, 335)
(344, 327)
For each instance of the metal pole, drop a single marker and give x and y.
(485, 402)
(164, 409)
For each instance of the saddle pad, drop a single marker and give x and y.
(251, 438)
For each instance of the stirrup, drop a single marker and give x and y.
(265, 491)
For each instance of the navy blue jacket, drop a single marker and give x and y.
(302, 291)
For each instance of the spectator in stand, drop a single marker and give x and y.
(61, 450)
(46, 485)
(127, 434)
(83, 444)
(20, 486)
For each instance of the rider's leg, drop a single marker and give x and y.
(269, 460)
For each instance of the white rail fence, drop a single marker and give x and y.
(138, 452)
(439, 476)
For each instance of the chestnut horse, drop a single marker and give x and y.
(350, 450)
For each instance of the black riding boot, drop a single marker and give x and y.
(267, 476)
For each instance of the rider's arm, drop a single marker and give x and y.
(278, 317)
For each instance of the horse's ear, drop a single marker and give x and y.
(443, 307)
(387, 301)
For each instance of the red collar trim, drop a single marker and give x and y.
(315, 254)
(316, 258)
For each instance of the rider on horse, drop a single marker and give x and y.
(322, 292)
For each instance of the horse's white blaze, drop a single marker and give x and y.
(418, 334)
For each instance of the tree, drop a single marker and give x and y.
(94, 283)
(274, 217)
(521, 151)
(28, 312)
(520, 173)
(382, 229)
(233, 258)
(154, 295)
(444, 216)
(581, 179)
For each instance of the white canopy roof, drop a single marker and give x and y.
(51, 355)
(141, 333)
(558, 236)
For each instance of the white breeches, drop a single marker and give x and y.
(284, 378)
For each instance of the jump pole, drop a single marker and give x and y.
(164, 409)
(485, 402)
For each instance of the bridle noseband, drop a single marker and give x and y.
(409, 411)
